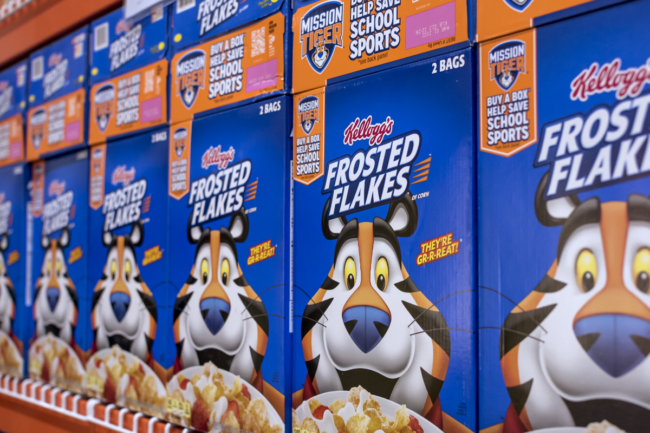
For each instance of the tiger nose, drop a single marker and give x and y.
(366, 326)
(53, 294)
(617, 343)
(120, 302)
(215, 312)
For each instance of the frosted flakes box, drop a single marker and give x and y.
(564, 245)
(14, 312)
(384, 257)
(194, 21)
(13, 104)
(229, 188)
(343, 38)
(248, 64)
(56, 119)
(58, 244)
(128, 73)
(132, 349)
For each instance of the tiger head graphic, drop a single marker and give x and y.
(123, 308)
(575, 350)
(7, 293)
(55, 299)
(218, 317)
(369, 324)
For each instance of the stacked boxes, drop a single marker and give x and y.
(128, 73)
(132, 352)
(230, 208)
(58, 238)
(56, 120)
(384, 236)
(564, 246)
(13, 103)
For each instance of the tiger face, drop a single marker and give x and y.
(124, 310)
(218, 317)
(7, 293)
(588, 319)
(55, 298)
(369, 324)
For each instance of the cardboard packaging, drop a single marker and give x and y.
(57, 239)
(14, 313)
(349, 38)
(128, 73)
(56, 120)
(231, 268)
(13, 104)
(564, 247)
(384, 264)
(130, 314)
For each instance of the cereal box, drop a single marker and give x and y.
(128, 73)
(339, 38)
(56, 119)
(229, 188)
(384, 257)
(13, 104)
(57, 239)
(564, 267)
(14, 310)
(132, 349)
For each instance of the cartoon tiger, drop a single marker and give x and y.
(56, 305)
(574, 351)
(369, 324)
(213, 310)
(124, 310)
(7, 292)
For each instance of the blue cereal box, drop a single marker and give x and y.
(564, 226)
(384, 232)
(230, 207)
(196, 20)
(13, 104)
(128, 73)
(14, 313)
(56, 119)
(130, 314)
(59, 278)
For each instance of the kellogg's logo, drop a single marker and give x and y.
(610, 78)
(190, 76)
(122, 175)
(54, 59)
(56, 188)
(214, 156)
(365, 130)
(104, 106)
(321, 31)
(506, 61)
(308, 113)
(518, 5)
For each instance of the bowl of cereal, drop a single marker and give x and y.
(357, 411)
(53, 361)
(120, 377)
(11, 359)
(205, 397)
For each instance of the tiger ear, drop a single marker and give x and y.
(137, 233)
(4, 242)
(193, 233)
(107, 238)
(551, 213)
(238, 227)
(45, 242)
(402, 215)
(332, 227)
(64, 240)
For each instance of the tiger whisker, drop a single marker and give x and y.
(440, 329)
(171, 283)
(309, 318)
(512, 330)
(312, 300)
(439, 301)
(514, 303)
(262, 315)
(260, 294)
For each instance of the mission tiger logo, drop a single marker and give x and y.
(518, 5)
(180, 138)
(506, 61)
(37, 127)
(104, 106)
(321, 32)
(308, 113)
(190, 76)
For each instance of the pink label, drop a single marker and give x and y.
(151, 110)
(15, 150)
(262, 76)
(430, 26)
(73, 131)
